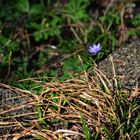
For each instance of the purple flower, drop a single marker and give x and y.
(94, 49)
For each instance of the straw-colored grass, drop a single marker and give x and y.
(61, 108)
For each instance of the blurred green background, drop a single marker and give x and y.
(50, 37)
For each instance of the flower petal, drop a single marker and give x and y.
(94, 49)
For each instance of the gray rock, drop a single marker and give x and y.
(126, 61)
(16, 111)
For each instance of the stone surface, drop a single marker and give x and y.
(16, 111)
(126, 61)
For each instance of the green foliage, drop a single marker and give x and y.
(126, 119)
(23, 6)
(76, 10)
(34, 23)
(28, 29)
(70, 69)
(85, 128)
(136, 20)
(136, 24)
(40, 116)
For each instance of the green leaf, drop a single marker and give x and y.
(23, 6)
(85, 128)
(136, 20)
(40, 115)
(36, 9)
(3, 40)
(38, 36)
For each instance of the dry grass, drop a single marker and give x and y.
(56, 112)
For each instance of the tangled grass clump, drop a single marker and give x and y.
(88, 107)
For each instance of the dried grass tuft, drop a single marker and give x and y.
(56, 112)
